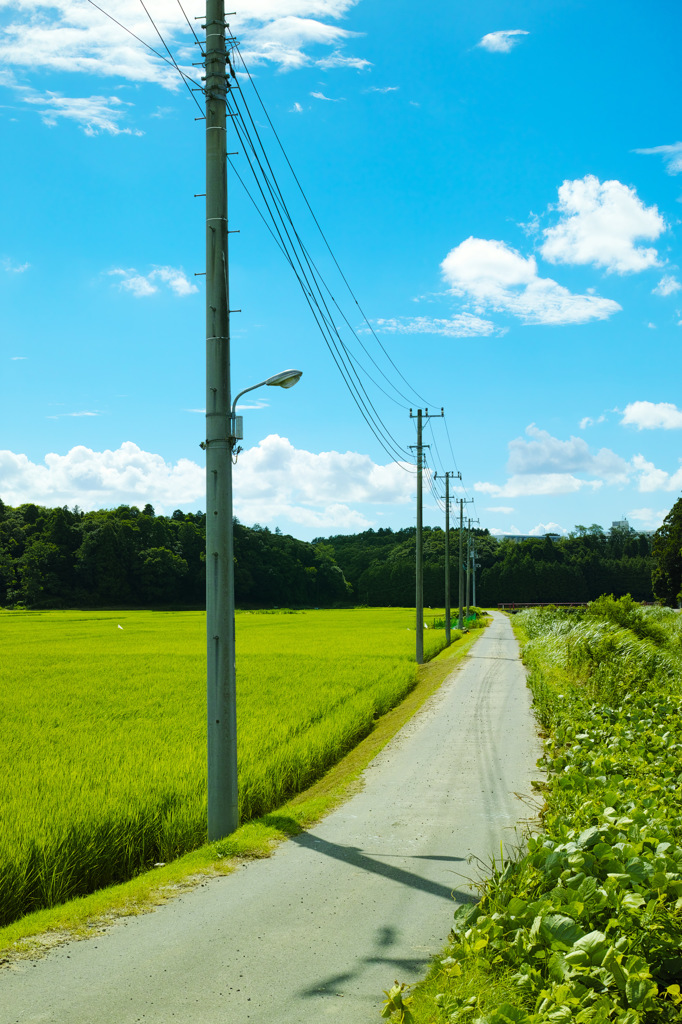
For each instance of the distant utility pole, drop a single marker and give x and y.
(448, 613)
(462, 503)
(468, 564)
(223, 810)
(419, 556)
(469, 549)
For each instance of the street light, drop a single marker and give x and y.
(223, 795)
(285, 379)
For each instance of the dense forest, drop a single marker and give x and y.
(379, 565)
(127, 557)
(131, 557)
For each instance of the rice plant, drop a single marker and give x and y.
(103, 759)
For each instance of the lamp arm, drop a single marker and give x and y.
(252, 388)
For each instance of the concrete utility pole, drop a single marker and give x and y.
(419, 556)
(462, 503)
(223, 809)
(448, 611)
(468, 564)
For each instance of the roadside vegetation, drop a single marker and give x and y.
(102, 765)
(584, 923)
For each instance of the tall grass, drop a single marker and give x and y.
(103, 763)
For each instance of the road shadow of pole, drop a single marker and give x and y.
(386, 938)
(354, 857)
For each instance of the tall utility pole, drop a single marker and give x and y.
(448, 612)
(223, 810)
(419, 556)
(462, 503)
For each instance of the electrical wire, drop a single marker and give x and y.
(191, 26)
(309, 278)
(168, 51)
(321, 315)
(317, 224)
(288, 240)
(172, 62)
(281, 202)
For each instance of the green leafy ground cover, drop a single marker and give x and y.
(102, 764)
(585, 924)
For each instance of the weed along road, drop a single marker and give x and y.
(316, 931)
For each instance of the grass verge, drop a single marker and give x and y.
(38, 932)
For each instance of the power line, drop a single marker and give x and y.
(280, 201)
(191, 26)
(172, 62)
(317, 224)
(321, 315)
(309, 278)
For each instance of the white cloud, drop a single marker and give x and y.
(653, 479)
(672, 155)
(337, 60)
(503, 41)
(648, 518)
(142, 285)
(321, 96)
(94, 114)
(542, 528)
(546, 465)
(283, 39)
(545, 454)
(92, 479)
(502, 509)
(296, 109)
(175, 279)
(463, 325)
(74, 36)
(587, 421)
(386, 88)
(652, 416)
(59, 416)
(272, 481)
(536, 485)
(667, 286)
(600, 222)
(9, 267)
(276, 470)
(494, 276)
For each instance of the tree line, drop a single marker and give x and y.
(589, 562)
(131, 557)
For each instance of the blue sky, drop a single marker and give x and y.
(500, 184)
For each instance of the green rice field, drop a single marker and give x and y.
(103, 718)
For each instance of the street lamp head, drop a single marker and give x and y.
(285, 379)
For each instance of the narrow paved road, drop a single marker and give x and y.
(315, 932)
